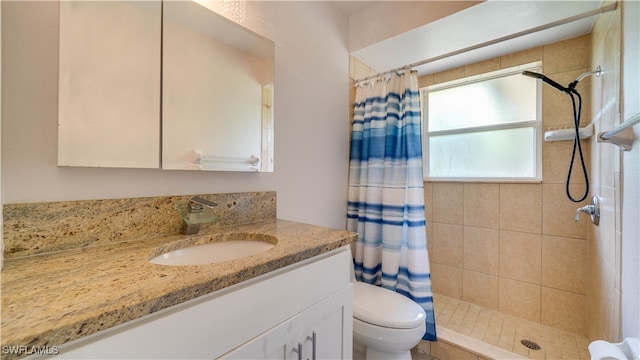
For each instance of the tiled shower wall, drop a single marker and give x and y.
(515, 247)
(604, 246)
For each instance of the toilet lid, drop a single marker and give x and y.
(378, 306)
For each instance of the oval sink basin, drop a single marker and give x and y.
(213, 252)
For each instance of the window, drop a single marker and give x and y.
(485, 127)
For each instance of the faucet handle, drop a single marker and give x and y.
(196, 204)
(593, 210)
(587, 209)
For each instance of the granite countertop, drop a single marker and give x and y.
(50, 299)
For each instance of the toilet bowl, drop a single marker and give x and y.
(604, 350)
(386, 325)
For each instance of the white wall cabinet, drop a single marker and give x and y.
(265, 317)
(109, 84)
(137, 88)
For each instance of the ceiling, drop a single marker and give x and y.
(350, 7)
(496, 28)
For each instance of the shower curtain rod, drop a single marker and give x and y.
(601, 10)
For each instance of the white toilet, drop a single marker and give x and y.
(386, 325)
(604, 350)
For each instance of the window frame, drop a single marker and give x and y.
(536, 124)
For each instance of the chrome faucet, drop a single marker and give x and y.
(191, 223)
(592, 210)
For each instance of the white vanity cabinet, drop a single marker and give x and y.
(319, 332)
(265, 317)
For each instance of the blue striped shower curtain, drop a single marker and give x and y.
(386, 191)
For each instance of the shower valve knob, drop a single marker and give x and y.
(593, 210)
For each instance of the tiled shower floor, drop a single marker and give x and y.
(506, 332)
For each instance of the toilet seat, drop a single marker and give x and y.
(382, 307)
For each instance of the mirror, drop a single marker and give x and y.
(217, 90)
(188, 90)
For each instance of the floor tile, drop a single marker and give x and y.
(506, 331)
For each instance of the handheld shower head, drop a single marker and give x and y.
(532, 74)
(546, 80)
(577, 109)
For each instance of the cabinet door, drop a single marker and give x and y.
(324, 331)
(277, 343)
(328, 326)
(109, 84)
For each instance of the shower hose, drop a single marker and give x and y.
(577, 109)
